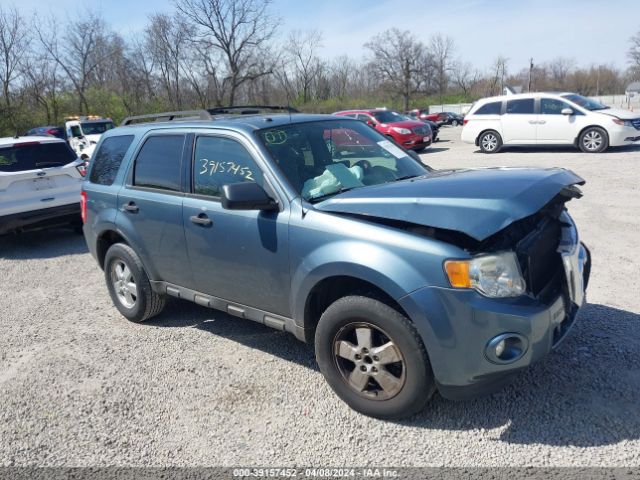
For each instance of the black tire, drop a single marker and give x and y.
(413, 383)
(490, 142)
(454, 123)
(147, 303)
(593, 140)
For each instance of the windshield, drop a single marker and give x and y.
(585, 102)
(387, 117)
(324, 158)
(96, 128)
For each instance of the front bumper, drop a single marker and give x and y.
(621, 136)
(43, 218)
(457, 326)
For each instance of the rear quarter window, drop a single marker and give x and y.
(491, 108)
(35, 156)
(107, 160)
(523, 106)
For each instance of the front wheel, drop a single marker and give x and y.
(454, 123)
(373, 358)
(129, 284)
(593, 140)
(490, 142)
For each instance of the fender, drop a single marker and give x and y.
(369, 262)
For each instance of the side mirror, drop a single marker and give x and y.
(246, 196)
(566, 111)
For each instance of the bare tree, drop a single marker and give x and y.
(465, 77)
(76, 52)
(634, 54)
(302, 48)
(167, 39)
(240, 29)
(14, 41)
(559, 70)
(442, 48)
(498, 75)
(399, 61)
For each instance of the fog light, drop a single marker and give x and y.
(506, 348)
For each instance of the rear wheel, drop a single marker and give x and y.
(373, 358)
(593, 140)
(490, 142)
(129, 284)
(455, 123)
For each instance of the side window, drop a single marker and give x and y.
(220, 161)
(522, 106)
(492, 108)
(106, 162)
(158, 163)
(551, 106)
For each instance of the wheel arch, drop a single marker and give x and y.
(105, 240)
(331, 288)
(583, 129)
(483, 131)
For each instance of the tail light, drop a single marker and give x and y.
(465, 121)
(83, 206)
(82, 168)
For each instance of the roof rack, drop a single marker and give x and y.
(249, 109)
(168, 117)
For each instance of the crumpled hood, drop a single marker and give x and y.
(620, 113)
(477, 202)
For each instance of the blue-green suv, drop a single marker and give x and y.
(407, 279)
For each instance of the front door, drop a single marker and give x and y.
(240, 256)
(553, 126)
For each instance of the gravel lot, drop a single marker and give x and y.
(80, 386)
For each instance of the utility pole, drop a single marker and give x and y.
(530, 73)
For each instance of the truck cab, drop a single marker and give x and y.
(84, 132)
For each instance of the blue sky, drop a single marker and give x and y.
(588, 30)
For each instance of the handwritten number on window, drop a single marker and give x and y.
(210, 167)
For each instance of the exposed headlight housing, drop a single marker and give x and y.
(496, 275)
(401, 131)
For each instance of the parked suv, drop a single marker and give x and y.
(407, 279)
(40, 180)
(411, 134)
(548, 119)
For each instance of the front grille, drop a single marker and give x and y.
(540, 262)
(636, 123)
(420, 130)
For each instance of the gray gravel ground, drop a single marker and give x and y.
(81, 386)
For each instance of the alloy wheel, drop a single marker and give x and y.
(369, 361)
(592, 140)
(124, 284)
(489, 142)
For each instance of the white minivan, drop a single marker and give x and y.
(548, 119)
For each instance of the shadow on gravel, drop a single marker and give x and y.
(434, 150)
(250, 334)
(42, 244)
(561, 149)
(584, 394)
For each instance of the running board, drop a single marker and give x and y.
(271, 320)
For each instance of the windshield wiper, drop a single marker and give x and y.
(321, 197)
(407, 177)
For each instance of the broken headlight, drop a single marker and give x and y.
(496, 275)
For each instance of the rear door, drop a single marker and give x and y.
(519, 122)
(239, 256)
(38, 175)
(150, 207)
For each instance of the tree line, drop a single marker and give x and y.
(209, 53)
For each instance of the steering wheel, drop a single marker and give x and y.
(365, 165)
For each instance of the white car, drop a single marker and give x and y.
(40, 180)
(548, 119)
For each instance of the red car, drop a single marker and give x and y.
(423, 114)
(411, 134)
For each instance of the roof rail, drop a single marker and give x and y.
(167, 117)
(249, 109)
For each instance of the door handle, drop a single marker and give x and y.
(542, 122)
(131, 207)
(201, 219)
(532, 122)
